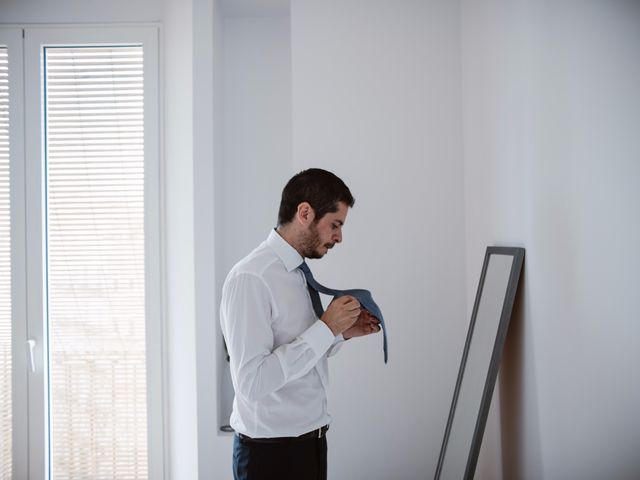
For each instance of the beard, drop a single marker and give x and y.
(311, 243)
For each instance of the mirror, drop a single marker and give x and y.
(480, 362)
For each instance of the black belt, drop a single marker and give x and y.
(317, 433)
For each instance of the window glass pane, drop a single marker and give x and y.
(5, 274)
(95, 250)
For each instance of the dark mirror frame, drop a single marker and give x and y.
(493, 367)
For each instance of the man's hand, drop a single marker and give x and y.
(365, 325)
(341, 314)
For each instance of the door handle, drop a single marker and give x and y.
(32, 346)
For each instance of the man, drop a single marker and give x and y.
(278, 346)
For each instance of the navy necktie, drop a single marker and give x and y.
(363, 296)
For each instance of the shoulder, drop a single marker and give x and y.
(258, 265)
(250, 281)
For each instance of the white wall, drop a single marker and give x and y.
(253, 161)
(551, 97)
(376, 99)
(214, 449)
(179, 238)
(256, 130)
(70, 11)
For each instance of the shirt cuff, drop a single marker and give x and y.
(319, 336)
(336, 346)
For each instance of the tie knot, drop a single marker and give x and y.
(304, 267)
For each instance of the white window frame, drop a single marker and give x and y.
(12, 39)
(30, 448)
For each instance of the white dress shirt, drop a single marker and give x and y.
(277, 344)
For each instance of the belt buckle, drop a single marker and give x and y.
(320, 432)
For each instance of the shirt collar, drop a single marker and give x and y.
(289, 255)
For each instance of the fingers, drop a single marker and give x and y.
(370, 323)
(341, 314)
(370, 316)
(367, 316)
(371, 326)
(349, 300)
(350, 305)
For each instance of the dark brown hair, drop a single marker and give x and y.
(321, 189)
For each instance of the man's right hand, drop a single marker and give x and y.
(341, 314)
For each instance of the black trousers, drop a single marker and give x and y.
(288, 460)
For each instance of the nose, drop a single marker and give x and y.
(338, 236)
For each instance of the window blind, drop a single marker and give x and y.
(95, 250)
(5, 274)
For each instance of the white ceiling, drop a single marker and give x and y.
(242, 8)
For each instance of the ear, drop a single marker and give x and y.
(305, 214)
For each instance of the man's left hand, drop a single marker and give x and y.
(365, 325)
